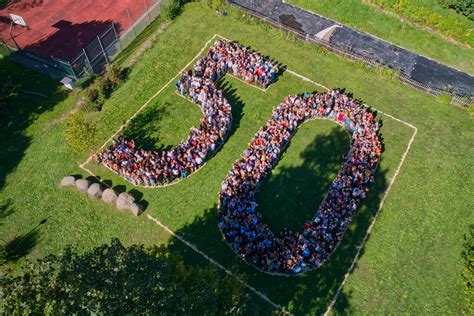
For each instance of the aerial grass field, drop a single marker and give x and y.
(410, 264)
(360, 15)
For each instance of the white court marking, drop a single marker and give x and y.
(220, 266)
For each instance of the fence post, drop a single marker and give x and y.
(130, 20)
(87, 59)
(116, 36)
(146, 11)
(72, 69)
(5, 44)
(103, 51)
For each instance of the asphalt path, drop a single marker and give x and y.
(417, 67)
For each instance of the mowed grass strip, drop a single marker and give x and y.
(366, 18)
(411, 262)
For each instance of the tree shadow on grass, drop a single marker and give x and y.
(311, 292)
(22, 245)
(20, 110)
(141, 127)
(290, 196)
(6, 210)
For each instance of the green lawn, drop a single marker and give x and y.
(410, 264)
(362, 16)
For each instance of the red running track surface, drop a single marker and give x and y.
(61, 28)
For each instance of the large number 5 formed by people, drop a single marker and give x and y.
(239, 220)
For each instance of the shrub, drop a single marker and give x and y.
(468, 270)
(79, 133)
(464, 7)
(105, 87)
(92, 98)
(173, 9)
(116, 74)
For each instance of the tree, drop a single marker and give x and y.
(113, 279)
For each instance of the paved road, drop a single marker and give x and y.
(418, 67)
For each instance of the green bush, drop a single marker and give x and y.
(464, 7)
(103, 87)
(79, 133)
(92, 99)
(116, 74)
(468, 270)
(173, 9)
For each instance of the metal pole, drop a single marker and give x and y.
(116, 36)
(5, 44)
(146, 10)
(72, 69)
(11, 35)
(130, 19)
(87, 59)
(103, 50)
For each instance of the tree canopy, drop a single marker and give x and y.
(114, 279)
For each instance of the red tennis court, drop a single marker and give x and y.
(61, 28)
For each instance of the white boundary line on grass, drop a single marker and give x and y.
(369, 230)
(193, 247)
(214, 262)
(372, 224)
(82, 166)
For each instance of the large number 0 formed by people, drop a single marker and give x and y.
(239, 220)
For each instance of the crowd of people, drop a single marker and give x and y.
(154, 168)
(291, 253)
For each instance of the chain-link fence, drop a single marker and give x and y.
(108, 45)
(93, 57)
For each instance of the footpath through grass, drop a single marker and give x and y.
(366, 18)
(411, 263)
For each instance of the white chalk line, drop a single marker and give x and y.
(382, 202)
(260, 294)
(148, 102)
(217, 264)
(83, 165)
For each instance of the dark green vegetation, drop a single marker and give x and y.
(468, 271)
(412, 260)
(432, 35)
(464, 7)
(113, 279)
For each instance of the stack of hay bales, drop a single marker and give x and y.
(123, 201)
